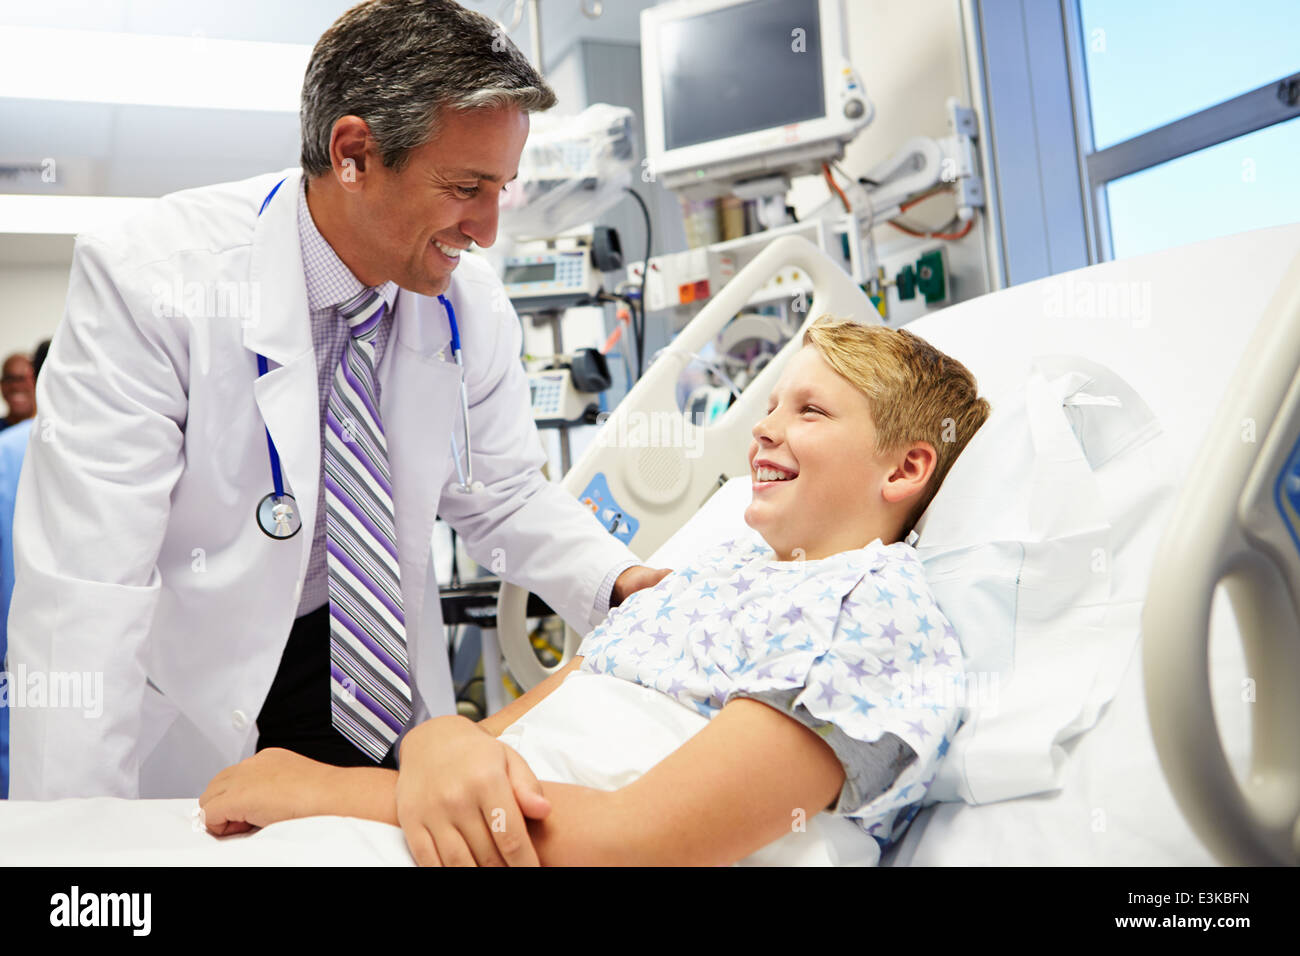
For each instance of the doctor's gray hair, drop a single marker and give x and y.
(398, 64)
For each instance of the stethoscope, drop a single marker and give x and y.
(277, 512)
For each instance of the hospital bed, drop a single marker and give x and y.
(1115, 373)
(1105, 384)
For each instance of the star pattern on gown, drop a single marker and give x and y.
(857, 637)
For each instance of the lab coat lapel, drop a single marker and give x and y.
(415, 384)
(280, 328)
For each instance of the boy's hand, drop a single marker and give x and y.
(272, 785)
(462, 797)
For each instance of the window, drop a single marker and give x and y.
(1192, 123)
(1246, 183)
(1151, 63)
(1112, 128)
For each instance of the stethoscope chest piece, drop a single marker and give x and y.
(277, 516)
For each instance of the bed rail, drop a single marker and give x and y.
(1237, 523)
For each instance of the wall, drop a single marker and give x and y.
(33, 286)
(911, 57)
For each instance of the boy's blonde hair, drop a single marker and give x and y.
(914, 391)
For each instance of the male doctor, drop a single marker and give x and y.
(246, 430)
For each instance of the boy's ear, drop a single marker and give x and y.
(913, 473)
(931, 458)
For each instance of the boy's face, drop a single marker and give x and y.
(819, 433)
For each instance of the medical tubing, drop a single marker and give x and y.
(623, 317)
(943, 232)
(707, 363)
(620, 320)
(645, 272)
(835, 187)
(277, 478)
(455, 454)
(274, 190)
(949, 236)
(451, 322)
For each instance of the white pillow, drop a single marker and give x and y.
(1037, 548)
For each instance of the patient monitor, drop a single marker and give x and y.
(747, 91)
(664, 466)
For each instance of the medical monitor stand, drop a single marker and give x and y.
(553, 316)
(771, 193)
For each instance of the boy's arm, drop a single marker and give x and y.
(740, 783)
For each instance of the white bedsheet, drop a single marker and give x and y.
(558, 738)
(107, 831)
(637, 728)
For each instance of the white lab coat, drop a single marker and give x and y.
(137, 553)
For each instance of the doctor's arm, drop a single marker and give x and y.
(440, 790)
(526, 529)
(92, 509)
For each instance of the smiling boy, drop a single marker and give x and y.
(782, 657)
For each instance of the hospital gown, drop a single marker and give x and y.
(853, 646)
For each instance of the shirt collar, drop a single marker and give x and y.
(329, 281)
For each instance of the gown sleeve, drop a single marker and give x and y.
(878, 675)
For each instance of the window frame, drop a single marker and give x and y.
(1073, 242)
(1274, 102)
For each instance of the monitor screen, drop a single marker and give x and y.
(532, 272)
(740, 69)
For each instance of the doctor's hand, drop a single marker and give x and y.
(270, 786)
(634, 579)
(462, 797)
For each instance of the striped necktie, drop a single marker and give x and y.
(370, 683)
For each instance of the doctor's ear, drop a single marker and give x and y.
(350, 141)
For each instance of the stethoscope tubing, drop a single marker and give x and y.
(465, 474)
